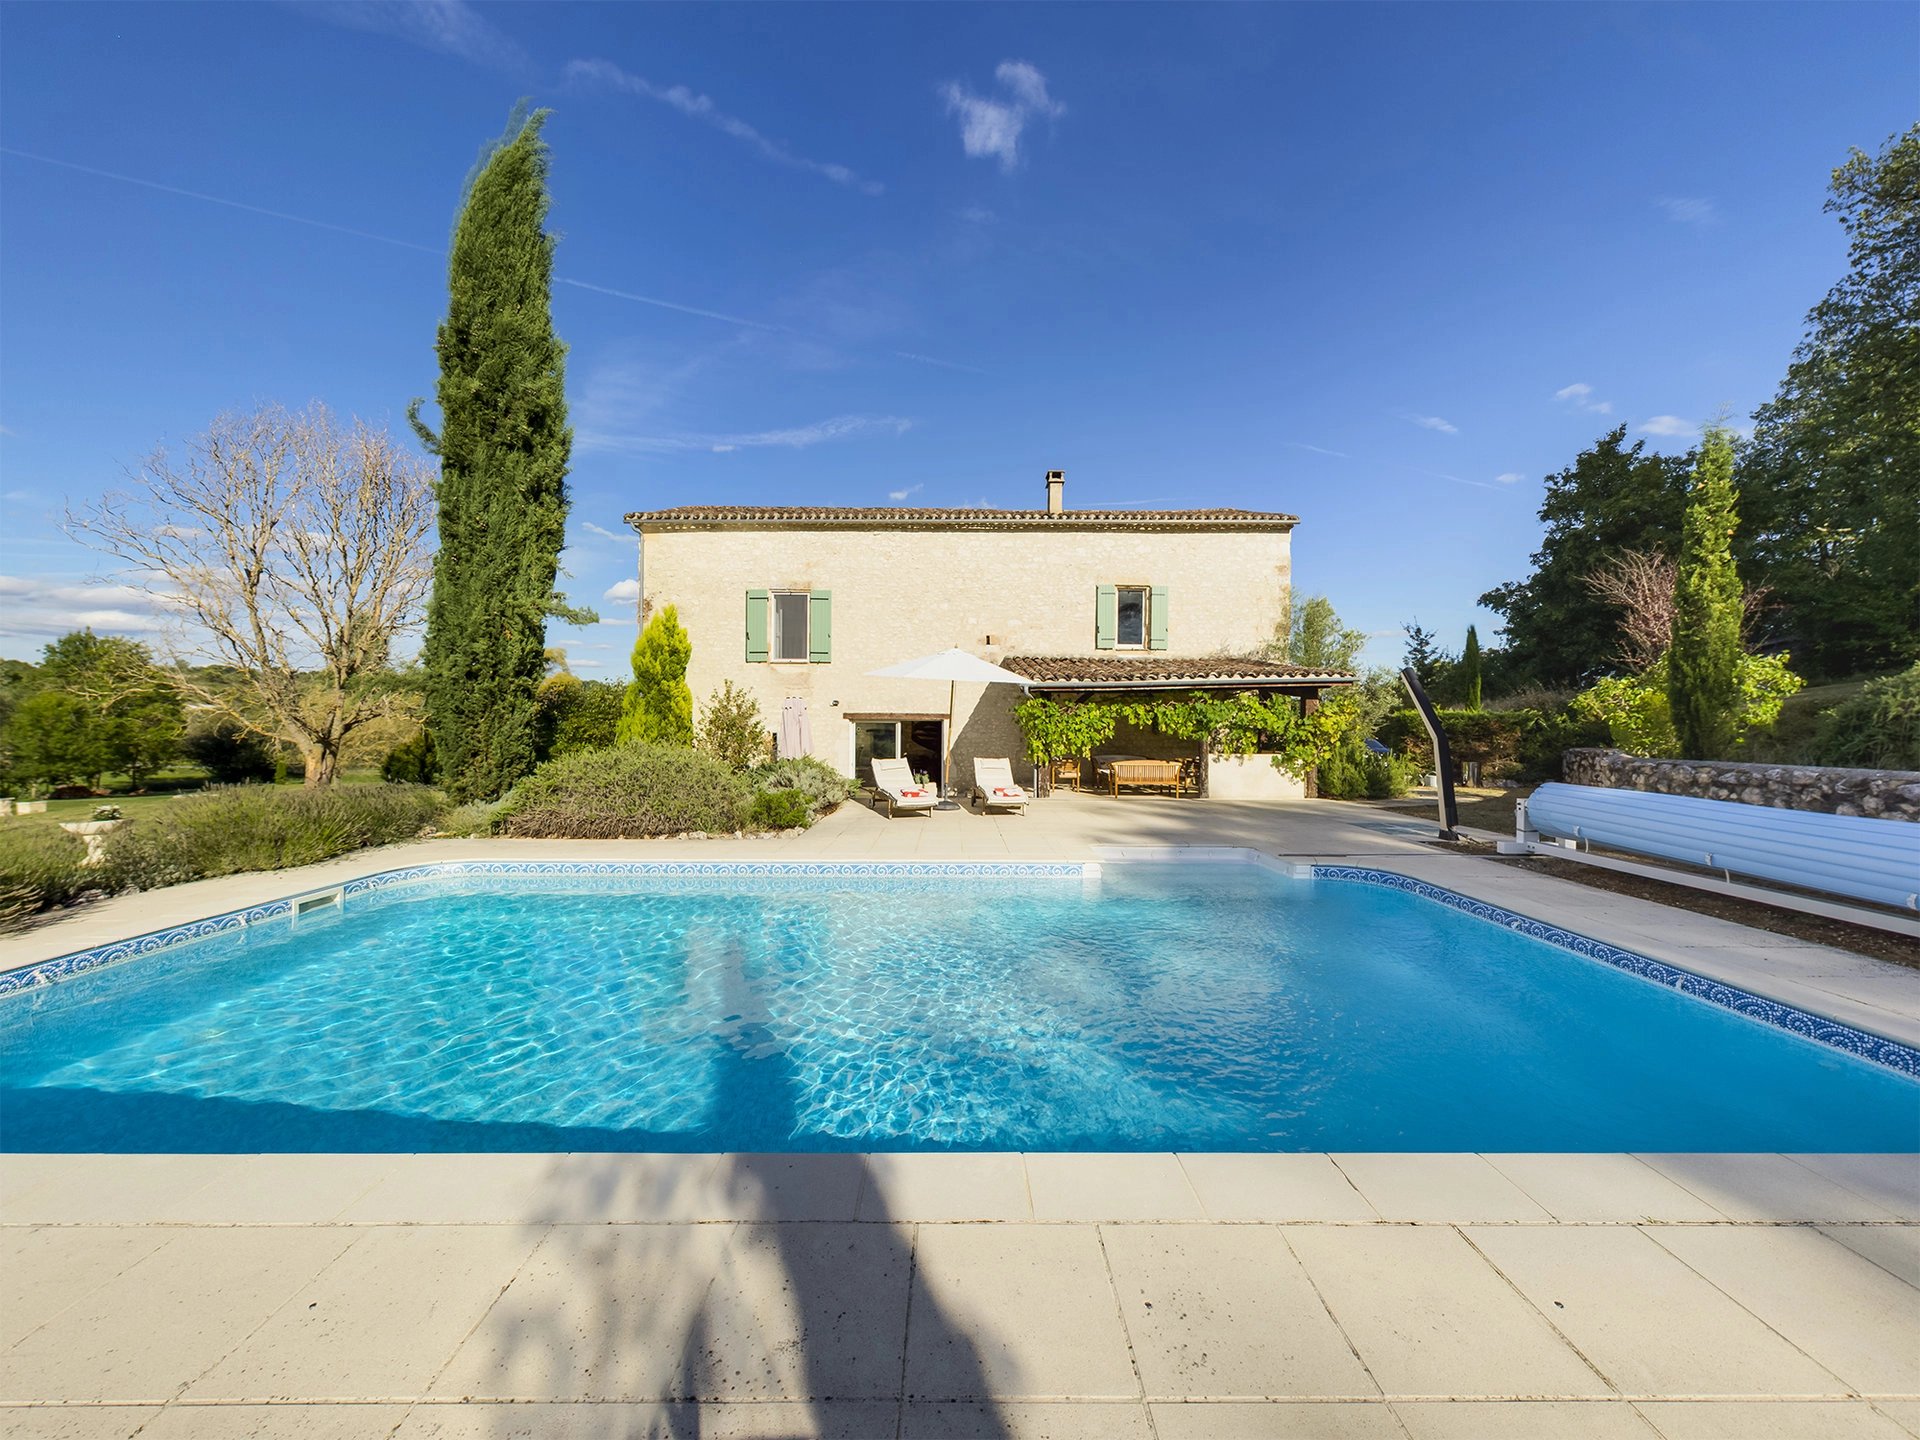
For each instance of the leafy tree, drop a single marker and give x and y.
(1470, 672)
(98, 669)
(230, 752)
(659, 706)
(503, 447)
(1317, 639)
(1830, 486)
(1703, 663)
(1636, 710)
(55, 737)
(1614, 497)
(1423, 656)
(142, 734)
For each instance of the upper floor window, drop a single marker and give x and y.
(1130, 617)
(1130, 622)
(791, 626)
(790, 611)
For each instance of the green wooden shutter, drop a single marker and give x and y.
(1106, 617)
(820, 627)
(1157, 619)
(758, 603)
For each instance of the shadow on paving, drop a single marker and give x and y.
(784, 1306)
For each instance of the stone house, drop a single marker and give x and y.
(801, 602)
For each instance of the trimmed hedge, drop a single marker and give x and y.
(629, 791)
(262, 827)
(1507, 744)
(779, 810)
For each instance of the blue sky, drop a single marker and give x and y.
(1379, 266)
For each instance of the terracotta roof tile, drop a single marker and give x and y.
(1211, 671)
(697, 516)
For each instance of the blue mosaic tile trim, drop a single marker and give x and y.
(1877, 1048)
(65, 967)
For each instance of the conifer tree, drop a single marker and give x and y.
(503, 448)
(1470, 673)
(658, 708)
(1703, 663)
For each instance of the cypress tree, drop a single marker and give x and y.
(1703, 663)
(503, 448)
(1470, 675)
(658, 706)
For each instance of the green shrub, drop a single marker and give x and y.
(40, 869)
(779, 810)
(576, 714)
(1490, 738)
(823, 786)
(476, 817)
(1353, 772)
(630, 790)
(1878, 729)
(731, 730)
(1551, 735)
(258, 827)
(410, 762)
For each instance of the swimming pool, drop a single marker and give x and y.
(1139, 1007)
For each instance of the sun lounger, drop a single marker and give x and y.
(993, 786)
(893, 783)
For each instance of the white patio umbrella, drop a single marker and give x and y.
(956, 667)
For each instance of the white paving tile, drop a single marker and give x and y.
(1110, 1187)
(45, 1270)
(1889, 1181)
(1601, 1188)
(945, 1187)
(91, 1422)
(281, 1422)
(111, 1189)
(1274, 1188)
(1765, 1187)
(1843, 1310)
(1430, 1316)
(1770, 1420)
(1024, 1421)
(1014, 1312)
(1648, 1322)
(388, 1313)
(151, 1329)
(1894, 1248)
(1225, 1311)
(1277, 1420)
(1437, 1187)
(1523, 1420)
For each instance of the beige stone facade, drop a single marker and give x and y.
(904, 584)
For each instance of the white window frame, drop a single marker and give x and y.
(1146, 617)
(776, 628)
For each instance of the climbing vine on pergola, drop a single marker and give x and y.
(1221, 724)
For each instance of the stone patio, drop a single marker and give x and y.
(1165, 1296)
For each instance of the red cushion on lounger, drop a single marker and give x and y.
(913, 794)
(1016, 792)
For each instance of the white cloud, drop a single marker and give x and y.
(799, 437)
(606, 534)
(992, 126)
(1580, 396)
(1508, 477)
(911, 490)
(1689, 210)
(973, 215)
(626, 592)
(1316, 449)
(700, 107)
(1669, 425)
(450, 27)
(41, 608)
(1434, 422)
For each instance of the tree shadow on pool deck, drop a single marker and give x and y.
(792, 1301)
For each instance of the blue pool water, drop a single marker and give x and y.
(1154, 1008)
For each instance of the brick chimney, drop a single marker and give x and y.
(1056, 491)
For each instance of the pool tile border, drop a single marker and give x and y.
(1832, 1033)
(65, 967)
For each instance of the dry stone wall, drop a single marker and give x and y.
(1884, 794)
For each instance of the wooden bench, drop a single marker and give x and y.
(1143, 772)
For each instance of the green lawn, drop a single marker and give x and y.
(132, 807)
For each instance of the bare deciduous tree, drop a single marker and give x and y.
(292, 553)
(1640, 584)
